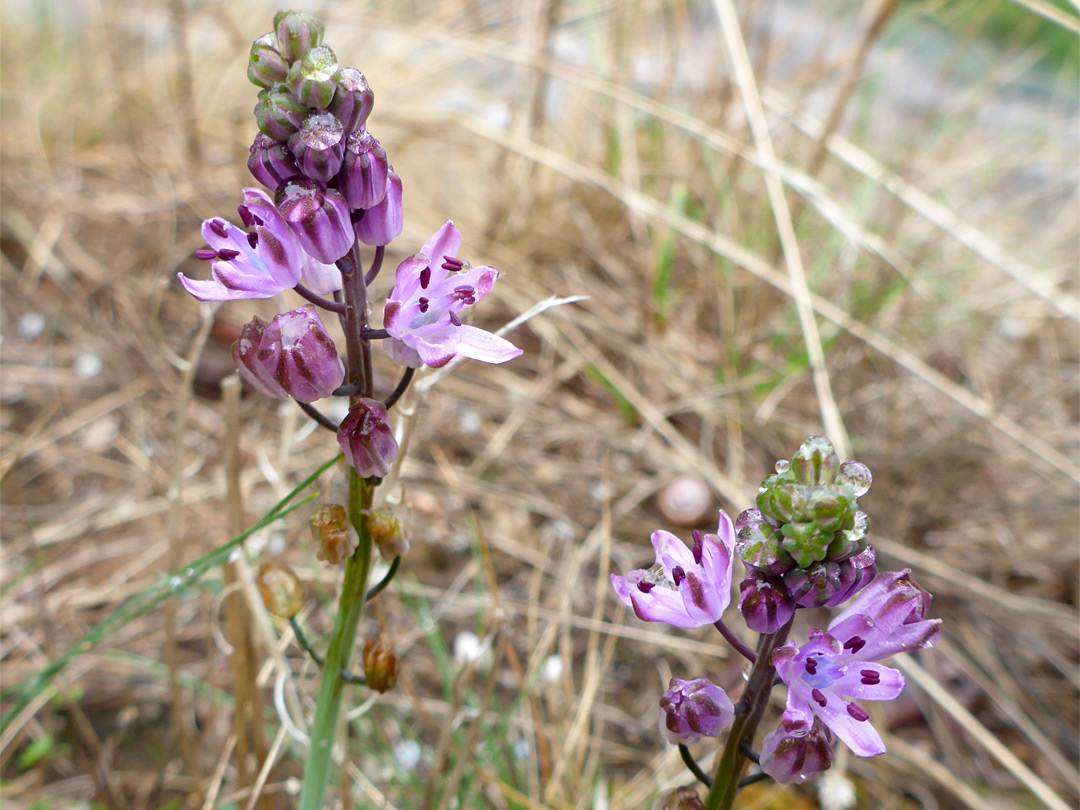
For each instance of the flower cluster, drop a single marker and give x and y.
(331, 188)
(804, 546)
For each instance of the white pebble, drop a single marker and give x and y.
(88, 365)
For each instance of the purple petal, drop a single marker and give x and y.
(215, 290)
(858, 735)
(671, 552)
(445, 242)
(890, 683)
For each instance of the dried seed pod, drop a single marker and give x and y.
(685, 502)
(280, 589)
(389, 533)
(380, 663)
(335, 540)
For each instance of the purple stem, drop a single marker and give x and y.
(402, 386)
(375, 334)
(319, 301)
(376, 265)
(734, 641)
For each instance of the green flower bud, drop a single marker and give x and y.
(851, 539)
(266, 65)
(805, 542)
(278, 114)
(815, 462)
(311, 79)
(297, 33)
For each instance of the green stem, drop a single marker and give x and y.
(342, 640)
(732, 761)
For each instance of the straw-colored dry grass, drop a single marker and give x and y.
(853, 217)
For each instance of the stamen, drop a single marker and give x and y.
(253, 239)
(218, 227)
(423, 304)
(645, 587)
(677, 575)
(227, 255)
(245, 216)
(206, 254)
(699, 546)
(425, 278)
(819, 698)
(811, 666)
(858, 712)
(870, 677)
(855, 643)
(454, 319)
(452, 265)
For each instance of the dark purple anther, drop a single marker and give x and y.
(699, 546)
(819, 698)
(423, 305)
(454, 319)
(425, 278)
(645, 587)
(227, 255)
(452, 264)
(677, 574)
(218, 227)
(245, 216)
(253, 239)
(811, 666)
(858, 712)
(855, 643)
(206, 254)
(870, 677)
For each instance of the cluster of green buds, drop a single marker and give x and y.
(806, 544)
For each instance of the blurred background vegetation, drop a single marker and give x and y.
(872, 231)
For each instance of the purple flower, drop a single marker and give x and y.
(690, 710)
(271, 162)
(367, 440)
(794, 754)
(687, 587)
(259, 263)
(291, 356)
(318, 216)
(430, 290)
(764, 602)
(823, 675)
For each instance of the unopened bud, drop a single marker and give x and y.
(271, 162)
(364, 171)
(335, 540)
(278, 114)
(381, 224)
(280, 589)
(266, 65)
(353, 99)
(758, 543)
(389, 533)
(815, 462)
(311, 79)
(297, 33)
(380, 663)
(318, 146)
(318, 216)
(765, 605)
(367, 440)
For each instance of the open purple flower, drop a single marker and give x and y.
(690, 710)
(687, 587)
(834, 667)
(431, 289)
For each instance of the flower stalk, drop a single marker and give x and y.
(756, 695)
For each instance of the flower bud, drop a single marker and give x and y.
(791, 754)
(335, 540)
(815, 462)
(380, 663)
(297, 33)
(367, 440)
(318, 146)
(684, 798)
(271, 162)
(278, 114)
(851, 539)
(266, 65)
(292, 356)
(386, 529)
(364, 171)
(353, 99)
(280, 589)
(764, 604)
(758, 543)
(381, 224)
(311, 79)
(318, 216)
(690, 710)
(805, 542)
